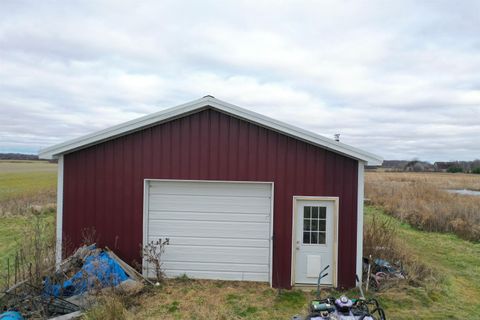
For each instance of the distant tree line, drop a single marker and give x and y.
(18, 156)
(439, 166)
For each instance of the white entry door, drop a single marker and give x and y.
(315, 237)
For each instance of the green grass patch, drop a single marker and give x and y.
(172, 307)
(456, 265)
(294, 299)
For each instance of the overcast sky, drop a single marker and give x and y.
(399, 79)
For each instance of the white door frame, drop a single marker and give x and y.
(146, 183)
(333, 269)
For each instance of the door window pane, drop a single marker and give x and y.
(306, 224)
(314, 225)
(306, 212)
(314, 212)
(321, 238)
(306, 237)
(323, 213)
(322, 225)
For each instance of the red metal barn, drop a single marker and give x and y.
(240, 196)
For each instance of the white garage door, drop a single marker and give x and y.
(217, 230)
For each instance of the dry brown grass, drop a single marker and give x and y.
(26, 203)
(109, 307)
(202, 299)
(438, 179)
(421, 200)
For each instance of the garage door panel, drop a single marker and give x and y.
(216, 267)
(211, 189)
(246, 230)
(209, 216)
(209, 204)
(227, 242)
(217, 230)
(215, 254)
(232, 276)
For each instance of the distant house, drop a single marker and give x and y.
(240, 196)
(464, 166)
(442, 166)
(419, 166)
(394, 164)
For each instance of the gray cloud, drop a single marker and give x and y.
(400, 79)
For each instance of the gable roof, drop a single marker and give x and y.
(198, 105)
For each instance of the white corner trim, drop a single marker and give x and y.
(199, 104)
(146, 186)
(360, 198)
(272, 209)
(59, 228)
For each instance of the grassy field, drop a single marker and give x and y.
(453, 292)
(27, 197)
(20, 178)
(26, 184)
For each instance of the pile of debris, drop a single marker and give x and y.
(381, 274)
(72, 288)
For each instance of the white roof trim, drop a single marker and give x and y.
(206, 102)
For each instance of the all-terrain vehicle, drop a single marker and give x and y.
(342, 308)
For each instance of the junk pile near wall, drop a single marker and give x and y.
(72, 287)
(380, 274)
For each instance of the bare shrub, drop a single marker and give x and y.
(420, 200)
(35, 254)
(152, 254)
(380, 239)
(89, 236)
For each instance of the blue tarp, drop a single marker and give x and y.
(11, 315)
(98, 271)
(385, 264)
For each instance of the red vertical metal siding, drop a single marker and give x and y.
(103, 184)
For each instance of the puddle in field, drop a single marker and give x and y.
(465, 192)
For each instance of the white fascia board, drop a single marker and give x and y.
(184, 109)
(298, 133)
(118, 130)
